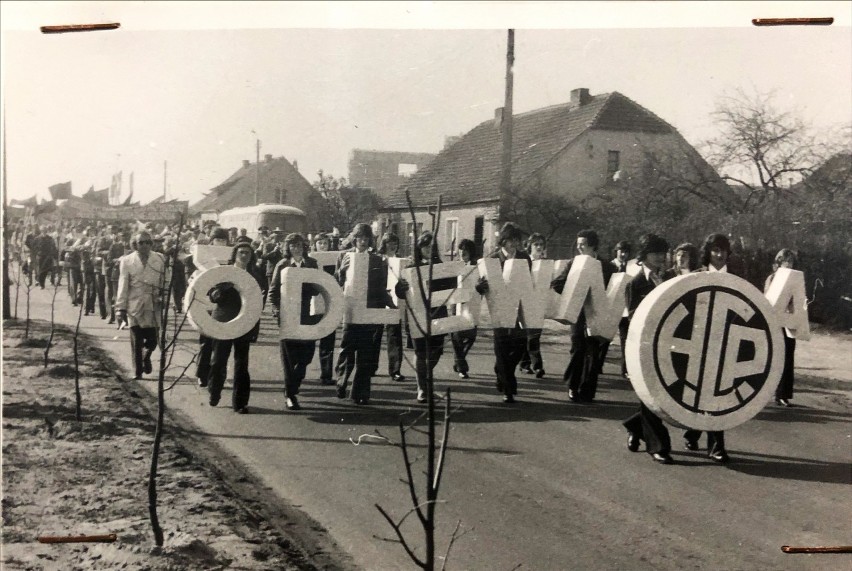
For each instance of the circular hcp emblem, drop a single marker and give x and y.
(705, 351)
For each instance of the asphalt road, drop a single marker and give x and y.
(542, 484)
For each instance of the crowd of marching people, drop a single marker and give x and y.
(117, 272)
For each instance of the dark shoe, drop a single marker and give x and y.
(341, 392)
(326, 382)
(362, 401)
(421, 397)
(111, 320)
(146, 365)
(293, 403)
(214, 400)
(464, 376)
(201, 382)
(137, 377)
(573, 397)
(508, 399)
(662, 458)
(632, 442)
(783, 402)
(397, 378)
(720, 456)
(539, 374)
(527, 370)
(690, 445)
(242, 410)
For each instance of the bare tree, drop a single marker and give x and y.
(343, 205)
(424, 504)
(53, 324)
(77, 396)
(762, 148)
(165, 293)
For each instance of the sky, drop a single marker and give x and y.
(196, 88)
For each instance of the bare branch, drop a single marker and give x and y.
(402, 541)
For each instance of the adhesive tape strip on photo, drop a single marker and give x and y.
(199, 305)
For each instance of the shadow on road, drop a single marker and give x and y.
(790, 468)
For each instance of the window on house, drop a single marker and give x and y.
(405, 170)
(612, 163)
(451, 240)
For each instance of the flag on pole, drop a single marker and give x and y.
(60, 191)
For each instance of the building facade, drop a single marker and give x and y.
(577, 149)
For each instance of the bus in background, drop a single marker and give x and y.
(287, 218)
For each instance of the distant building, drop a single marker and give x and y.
(384, 171)
(277, 182)
(576, 148)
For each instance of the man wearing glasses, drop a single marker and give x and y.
(142, 279)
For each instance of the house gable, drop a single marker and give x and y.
(469, 171)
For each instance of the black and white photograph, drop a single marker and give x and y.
(426, 285)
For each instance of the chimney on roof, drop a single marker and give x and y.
(268, 158)
(580, 96)
(296, 165)
(498, 117)
(246, 163)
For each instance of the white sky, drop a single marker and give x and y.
(82, 106)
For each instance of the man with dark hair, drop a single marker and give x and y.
(584, 366)
(509, 343)
(360, 344)
(715, 254)
(645, 425)
(623, 251)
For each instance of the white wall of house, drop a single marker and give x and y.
(586, 164)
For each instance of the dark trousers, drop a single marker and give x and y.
(462, 342)
(265, 280)
(90, 291)
(531, 358)
(647, 426)
(785, 387)
(584, 367)
(326, 356)
(509, 345)
(360, 347)
(142, 338)
(205, 353)
(715, 439)
(101, 291)
(112, 288)
(424, 365)
(296, 355)
(45, 267)
(394, 333)
(221, 352)
(623, 326)
(75, 282)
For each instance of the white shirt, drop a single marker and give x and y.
(712, 268)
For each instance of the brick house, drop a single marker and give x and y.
(577, 148)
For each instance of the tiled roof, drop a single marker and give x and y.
(238, 189)
(469, 170)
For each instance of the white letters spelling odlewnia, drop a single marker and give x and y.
(513, 288)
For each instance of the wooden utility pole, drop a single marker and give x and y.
(257, 176)
(506, 123)
(7, 303)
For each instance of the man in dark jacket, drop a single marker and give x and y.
(296, 354)
(585, 365)
(509, 344)
(360, 344)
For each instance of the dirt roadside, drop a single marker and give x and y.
(63, 477)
